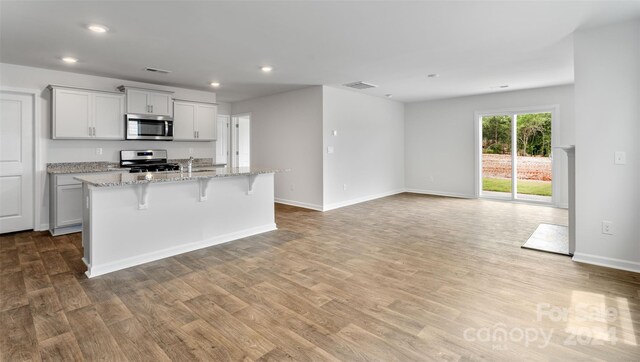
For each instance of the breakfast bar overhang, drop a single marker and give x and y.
(131, 219)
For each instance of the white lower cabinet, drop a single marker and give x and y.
(68, 205)
(65, 204)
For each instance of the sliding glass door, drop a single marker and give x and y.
(516, 158)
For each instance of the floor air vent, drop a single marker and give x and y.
(360, 85)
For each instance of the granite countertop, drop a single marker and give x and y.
(122, 179)
(89, 167)
(84, 167)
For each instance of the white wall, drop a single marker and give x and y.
(286, 132)
(224, 108)
(16, 76)
(439, 138)
(607, 94)
(368, 152)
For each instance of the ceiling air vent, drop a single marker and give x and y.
(360, 85)
(156, 70)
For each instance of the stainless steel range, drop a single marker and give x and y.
(147, 161)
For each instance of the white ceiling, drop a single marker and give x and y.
(474, 45)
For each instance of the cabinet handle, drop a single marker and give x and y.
(152, 108)
(89, 131)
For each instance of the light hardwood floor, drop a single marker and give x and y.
(402, 278)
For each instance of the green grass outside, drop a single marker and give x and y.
(527, 187)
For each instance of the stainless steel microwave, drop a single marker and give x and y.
(148, 127)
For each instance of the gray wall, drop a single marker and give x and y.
(368, 149)
(286, 132)
(607, 90)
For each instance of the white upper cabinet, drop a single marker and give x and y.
(108, 117)
(86, 114)
(137, 101)
(194, 121)
(148, 101)
(161, 103)
(206, 120)
(184, 114)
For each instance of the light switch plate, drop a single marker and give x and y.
(620, 158)
(330, 149)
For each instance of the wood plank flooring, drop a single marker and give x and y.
(403, 278)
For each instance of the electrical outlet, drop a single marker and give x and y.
(98, 151)
(431, 178)
(607, 227)
(330, 149)
(292, 187)
(344, 187)
(620, 158)
(191, 151)
(335, 132)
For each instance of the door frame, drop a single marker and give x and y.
(38, 171)
(554, 109)
(234, 137)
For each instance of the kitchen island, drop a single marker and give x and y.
(131, 219)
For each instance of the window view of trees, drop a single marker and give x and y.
(533, 132)
(496, 135)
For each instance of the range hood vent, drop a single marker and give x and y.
(360, 85)
(156, 70)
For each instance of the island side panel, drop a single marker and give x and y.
(175, 221)
(86, 224)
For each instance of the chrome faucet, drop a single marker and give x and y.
(190, 164)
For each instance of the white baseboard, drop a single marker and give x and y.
(303, 205)
(361, 199)
(607, 262)
(441, 193)
(95, 270)
(43, 227)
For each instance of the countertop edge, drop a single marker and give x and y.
(206, 175)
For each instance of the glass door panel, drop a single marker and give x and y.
(533, 162)
(497, 159)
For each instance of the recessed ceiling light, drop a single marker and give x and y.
(69, 60)
(504, 86)
(500, 86)
(215, 84)
(388, 95)
(98, 28)
(433, 75)
(266, 68)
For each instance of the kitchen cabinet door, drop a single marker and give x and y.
(205, 122)
(108, 116)
(184, 114)
(137, 101)
(68, 205)
(71, 114)
(160, 104)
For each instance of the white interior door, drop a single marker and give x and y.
(16, 162)
(241, 141)
(222, 141)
